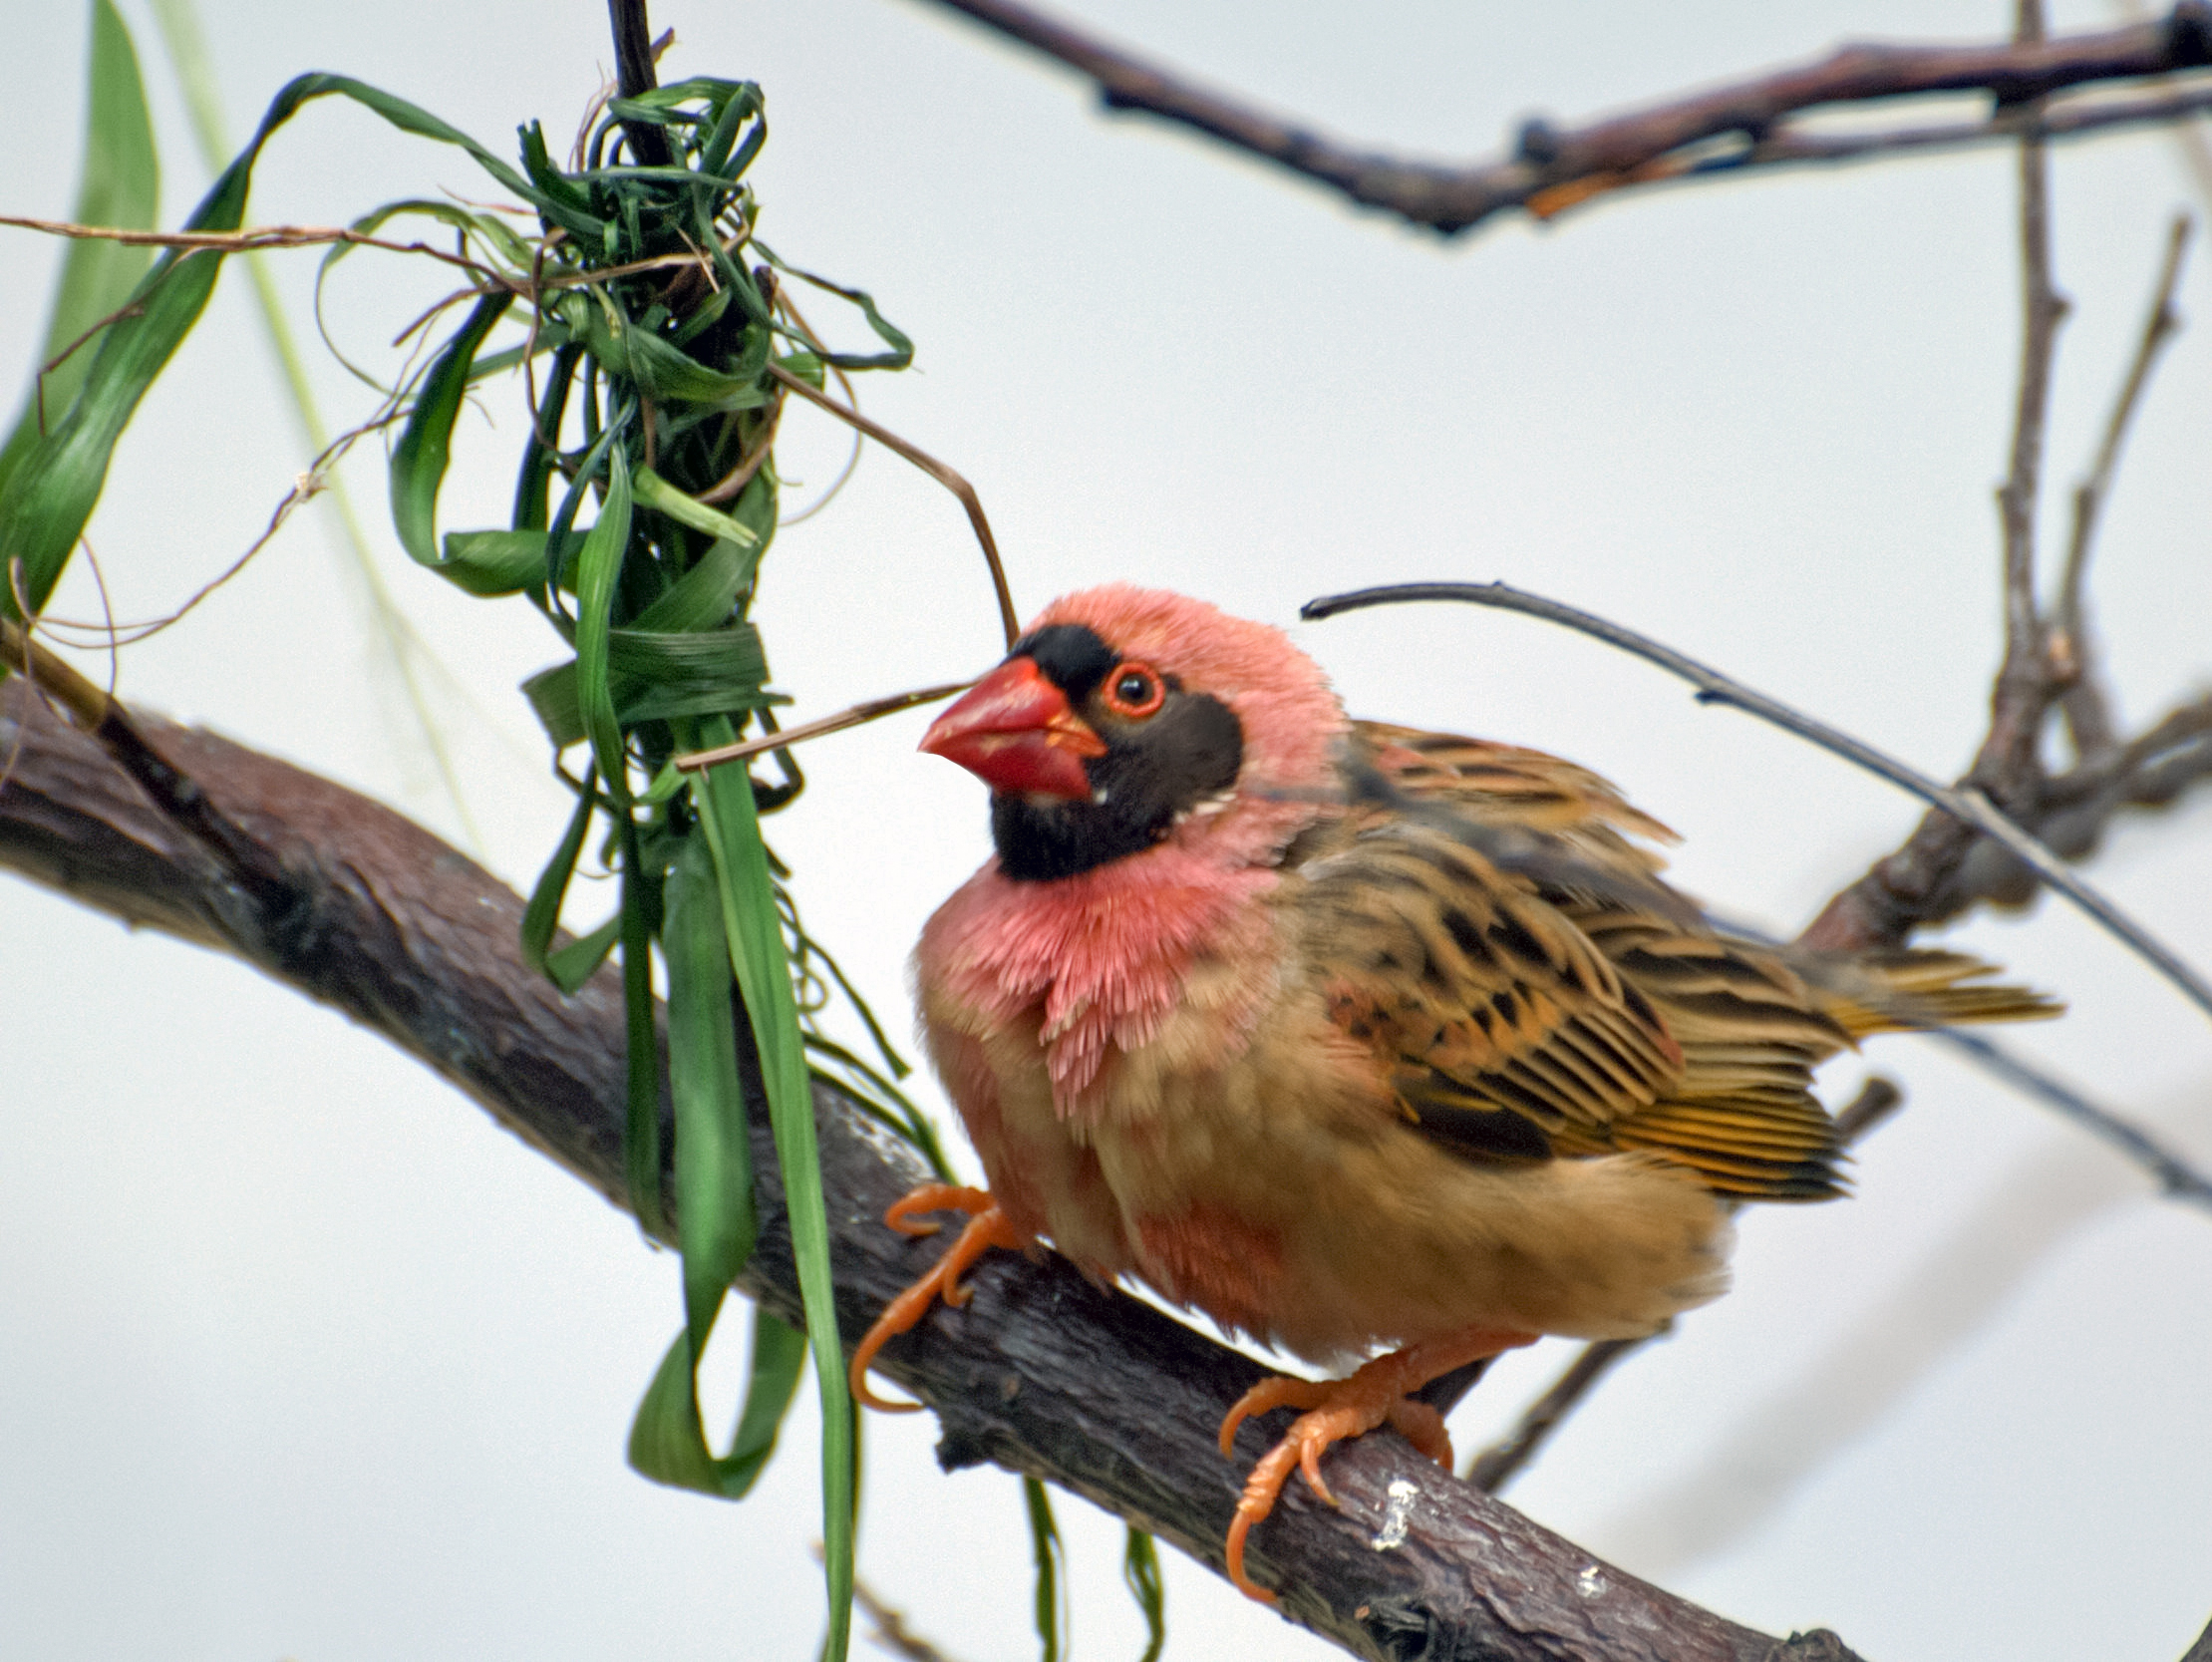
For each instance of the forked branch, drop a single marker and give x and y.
(1742, 125)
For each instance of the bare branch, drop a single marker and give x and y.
(1968, 805)
(1494, 1468)
(1553, 169)
(2008, 766)
(2088, 712)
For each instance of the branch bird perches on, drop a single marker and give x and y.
(1044, 1374)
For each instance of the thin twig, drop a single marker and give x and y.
(692, 762)
(1494, 1467)
(134, 308)
(2075, 116)
(257, 238)
(246, 241)
(2009, 765)
(852, 466)
(305, 487)
(937, 470)
(1554, 168)
(2189, 137)
(1968, 805)
(749, 464)
(2088, 712)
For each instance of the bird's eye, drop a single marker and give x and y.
(1134, 690)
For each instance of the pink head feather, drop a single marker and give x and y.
(1289, 713)
(1103, 956)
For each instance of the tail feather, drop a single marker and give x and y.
(1906, 989)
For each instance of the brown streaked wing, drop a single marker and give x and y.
(1496, 781)
(1504, 1030)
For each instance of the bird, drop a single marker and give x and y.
(1389, 1048)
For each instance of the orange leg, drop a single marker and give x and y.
(1378, 1393)
(987, 1227)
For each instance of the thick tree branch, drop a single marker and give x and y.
(1043, 1373)
(1726, 129)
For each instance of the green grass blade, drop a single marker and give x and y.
(778, 1353)
(426, 444)
(491, 563)
(643, 901)
(1051, 1559)
(1140, 1574)
(901, 353)
(668, 1442)
(572, 965)
(715, 1212)
(120, 185)
(657, 493)
(598, 568)
(751, 921)
(543, 915)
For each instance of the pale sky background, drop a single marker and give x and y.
(300, 1356)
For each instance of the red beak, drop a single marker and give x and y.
(1014, 731)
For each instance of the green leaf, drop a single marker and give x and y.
(597, 569)
(662, 371)
(704, 597)
(657, 493)
(489, 229)
(668, 1440)
(543, 915)
(724, 797)
(713, 1168)
(570, 966)
(643, 916)
(52, 490)
(488, 563)
(419, 459)
(1049, 1558)
(902, 349)
(778, 1351)
(120, 185)
(541, 459)
(653, 676)
(1140, 1575)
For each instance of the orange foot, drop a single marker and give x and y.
(987, 1227)
(1379, 1393)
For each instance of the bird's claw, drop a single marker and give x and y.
(987, 1227)
(933, 1197)
(1375, 1395)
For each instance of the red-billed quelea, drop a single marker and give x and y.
(1352, 1037)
